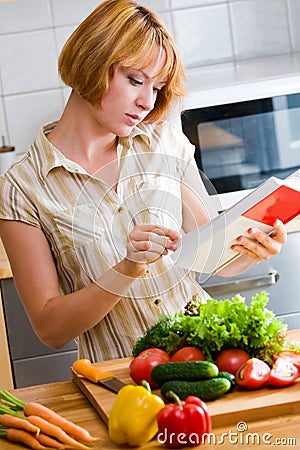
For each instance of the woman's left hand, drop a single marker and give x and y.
(258, 245)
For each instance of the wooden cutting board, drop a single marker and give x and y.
(229, 409)
(101, 398)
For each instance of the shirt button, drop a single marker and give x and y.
(121, 209)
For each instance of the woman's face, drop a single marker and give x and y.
(130, 97)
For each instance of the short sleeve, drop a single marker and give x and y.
(15, 203)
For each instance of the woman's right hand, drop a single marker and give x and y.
(147, 243)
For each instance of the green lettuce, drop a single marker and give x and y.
(219, 324)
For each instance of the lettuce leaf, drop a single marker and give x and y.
(220, 324)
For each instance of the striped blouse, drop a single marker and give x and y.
(86, 223)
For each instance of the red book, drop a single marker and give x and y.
(207, 249)
(283, 204)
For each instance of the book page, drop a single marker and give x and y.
(210, 255)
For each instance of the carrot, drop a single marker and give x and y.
(24, 437)
(48, 441)
(10, 421)
(55, 431)
(79, 433)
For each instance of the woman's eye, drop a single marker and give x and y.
(135, 82)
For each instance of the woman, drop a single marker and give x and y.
(91, 213)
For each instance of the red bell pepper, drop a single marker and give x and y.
(183, 423)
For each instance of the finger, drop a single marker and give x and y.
(271, 243)
(255, 249)
(136, 244)
(280, 234)
(146, 251)
(156, 235)
(158, 238)
(141, 240)
(172, 234)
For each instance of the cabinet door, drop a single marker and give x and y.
(22, 341)
(32, 362)
(43, 369)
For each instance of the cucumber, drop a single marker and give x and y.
(205, 389)
(229, 377)
(184, 370)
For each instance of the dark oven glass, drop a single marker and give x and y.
(239, 145)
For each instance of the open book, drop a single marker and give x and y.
(207, 248)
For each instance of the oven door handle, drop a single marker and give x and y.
(219, 289)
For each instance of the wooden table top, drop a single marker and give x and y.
(5, 270)
(67, 400)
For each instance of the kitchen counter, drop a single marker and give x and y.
(5, 269)
(6, 381)
(67, 400)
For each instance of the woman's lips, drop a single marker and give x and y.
(133, 119)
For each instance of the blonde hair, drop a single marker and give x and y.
(120, 32)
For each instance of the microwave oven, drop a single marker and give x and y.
(240, 145)
(237, 147)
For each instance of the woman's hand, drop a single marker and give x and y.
(258, 245)
(147, 243)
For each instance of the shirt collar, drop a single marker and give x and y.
(50, 157)
(138, 131)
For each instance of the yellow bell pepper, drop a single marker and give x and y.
(133, 416)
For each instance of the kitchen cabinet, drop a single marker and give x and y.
(32, 362)
(25, 360)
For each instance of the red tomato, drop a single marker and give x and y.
(253, 374)
(231, 359)
(293, 357)
(140, 367)
(188, 354)
(283, 373)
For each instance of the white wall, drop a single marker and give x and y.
(210, 33)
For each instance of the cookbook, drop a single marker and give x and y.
(207, 248)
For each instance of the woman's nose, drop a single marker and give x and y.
(146, 99)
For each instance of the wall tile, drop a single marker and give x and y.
(27, 112)
(62, 34)
(259, 28)
(28, 61)
(203, 35)
(66, 12)
(294, 8)
(156, 5)
(66, 91)
(3, 128)
(180, 4)
(166, 18)
(21, 15)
